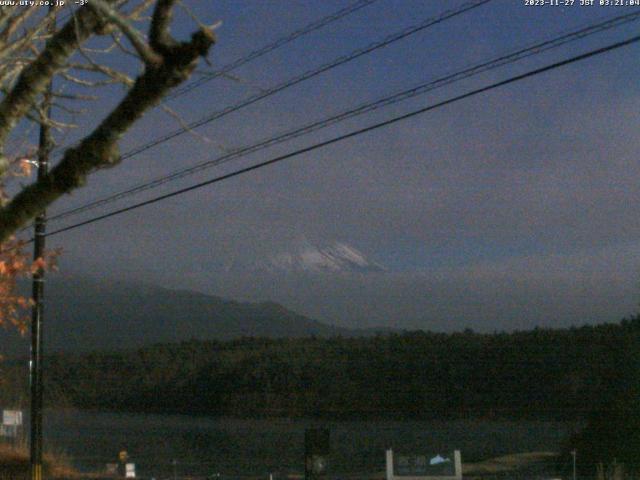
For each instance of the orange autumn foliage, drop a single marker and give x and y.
(16, 263)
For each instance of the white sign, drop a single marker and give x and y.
(12, 417)
(417, 467)
(130, 470)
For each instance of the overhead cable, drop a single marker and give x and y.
(354, 133)
(420, 89)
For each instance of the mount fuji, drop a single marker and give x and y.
(304, 256)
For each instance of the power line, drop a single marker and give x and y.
(305, 76)
(311, 27)
(280, 42)
(309, 74)
(476, 69)
(357, 132)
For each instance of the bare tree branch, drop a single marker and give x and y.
(191, 131)
(117, 42)
(14, 23)
(140, 9)
(100, 148)
(34, 77)
(147, 54)
(114, 75)
(75, 96)
(159, 37)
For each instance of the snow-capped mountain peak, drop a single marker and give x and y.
(332, 258)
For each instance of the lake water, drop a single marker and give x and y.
(209, 445)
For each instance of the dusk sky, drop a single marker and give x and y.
(512, 209)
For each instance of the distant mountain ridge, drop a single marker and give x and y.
(85, 315)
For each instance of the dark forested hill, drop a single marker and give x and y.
(85, 315)
(540, 373)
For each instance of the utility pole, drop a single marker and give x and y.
(35, 372)
(573, 454)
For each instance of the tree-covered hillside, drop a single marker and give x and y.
(85, 315)
(561, 374)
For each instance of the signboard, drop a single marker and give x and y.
(424, 467)
(130, 470)
(12, 417)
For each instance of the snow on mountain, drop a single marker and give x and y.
(305, 257)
